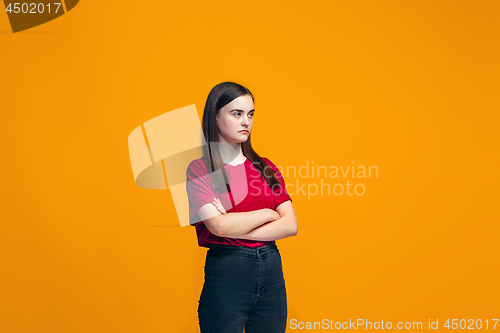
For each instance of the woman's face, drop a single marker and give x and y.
(235, 117)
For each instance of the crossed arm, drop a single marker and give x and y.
(261, 225)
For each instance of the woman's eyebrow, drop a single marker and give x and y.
(241, 110)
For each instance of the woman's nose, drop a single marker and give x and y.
(246, 121)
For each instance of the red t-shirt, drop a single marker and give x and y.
(249, 191)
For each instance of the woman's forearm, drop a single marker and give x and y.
(234, 225)
(283, 227)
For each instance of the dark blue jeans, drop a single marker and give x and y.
(243, 287)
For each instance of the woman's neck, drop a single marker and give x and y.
(231, 153)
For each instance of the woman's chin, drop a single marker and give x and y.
(239, 140)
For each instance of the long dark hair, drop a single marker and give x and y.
(221, 95)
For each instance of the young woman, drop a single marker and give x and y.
(239, 205)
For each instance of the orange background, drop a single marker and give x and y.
(410, 87)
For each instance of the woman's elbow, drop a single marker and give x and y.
(294, 229)
(216, 226)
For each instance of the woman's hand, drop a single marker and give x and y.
(218, 205)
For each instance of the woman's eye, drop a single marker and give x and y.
(237, 114)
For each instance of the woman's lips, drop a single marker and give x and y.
(244, 131)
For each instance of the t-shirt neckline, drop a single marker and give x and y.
(246, 159)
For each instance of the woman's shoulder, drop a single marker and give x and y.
(268, 162)
(272, 166)
(197, 167)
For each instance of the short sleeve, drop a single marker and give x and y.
(199, 190)
(281, 194)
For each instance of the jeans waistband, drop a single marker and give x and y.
(243, 249)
